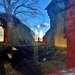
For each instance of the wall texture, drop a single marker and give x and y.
(62, 15)
(71, 34)
(57, 33)
(17, 33)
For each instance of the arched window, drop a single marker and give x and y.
(41, 36)
(3, 31)
(36, 36)
(1, 34)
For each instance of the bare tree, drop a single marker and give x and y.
(15, 7)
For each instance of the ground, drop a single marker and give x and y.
(45, 67)
(10, 71)
(53, 65)
(57, 63)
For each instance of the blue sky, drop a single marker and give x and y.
(42, 19)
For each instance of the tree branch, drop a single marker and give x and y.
(9, 7)
(30, 6)
(5, 6)
(1, 4)
(22, 5)
(26, 1)
(14, 4)
(26, 12)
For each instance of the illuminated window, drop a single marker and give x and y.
(36, 36)
(1, 34)
(41, 36)
(3, 31)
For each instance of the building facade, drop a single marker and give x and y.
(13, 32)
(62, 15)
(56, 35)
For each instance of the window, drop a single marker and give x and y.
(41, 36)
(3, 31)
(1, 34)
(36, 36)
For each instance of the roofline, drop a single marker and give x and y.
(48, 5)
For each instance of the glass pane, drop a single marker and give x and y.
(1, 34)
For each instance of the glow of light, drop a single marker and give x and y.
(61, 43)
(36, 35)
(41, 36)
(1, 34)
(0, 27)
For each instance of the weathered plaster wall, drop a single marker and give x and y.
(17, 33)
(59, 39)
(65, 17)
(58, 22)
(55, 36)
